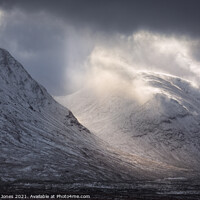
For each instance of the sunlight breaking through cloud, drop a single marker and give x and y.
(114, 66)
(1, 17)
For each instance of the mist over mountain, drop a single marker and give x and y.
(44, 148)
(141, 104)
(141, 95)
(101, 98)
(158, 121)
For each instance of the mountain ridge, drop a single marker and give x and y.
(165, 127)
(44, 148)
(41, 141)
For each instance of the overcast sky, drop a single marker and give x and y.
(53, 37)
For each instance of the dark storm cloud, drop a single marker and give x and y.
(38, 42)
(181, 16)
(35, 32)
(50, 36)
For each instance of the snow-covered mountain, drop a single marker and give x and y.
(41, 141)
(44, 148)
(159, 121)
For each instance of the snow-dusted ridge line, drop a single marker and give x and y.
(43, 145)
(42, 142)
(165, 128)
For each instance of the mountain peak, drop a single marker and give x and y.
(10, 67)
(16, 82)
(5, 57)
(165, 127)
(39, 136)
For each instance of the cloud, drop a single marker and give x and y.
(54, 40)
(152, 51)
(47, 47)
(119, 16)
(39, 42)
(114, 66)
(1, 16)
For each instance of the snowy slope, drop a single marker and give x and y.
(164, 127)
(43, 146)
(41, 141)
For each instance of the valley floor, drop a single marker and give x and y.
(163, 189)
